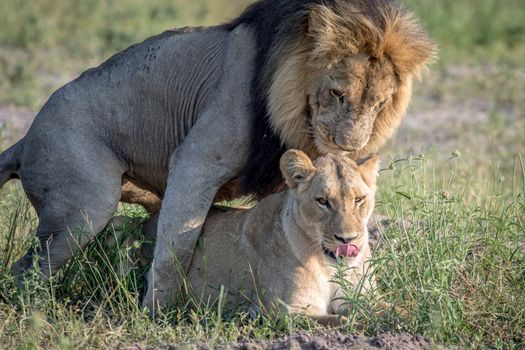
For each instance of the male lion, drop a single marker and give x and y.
(285, 249)
(188, 111)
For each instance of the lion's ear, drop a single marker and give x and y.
(369, 168)
(314, 22)
(330, 34)
(408, 46)
(296, 168)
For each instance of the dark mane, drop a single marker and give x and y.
(276, 23)
(272, 20)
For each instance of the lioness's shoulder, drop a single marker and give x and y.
(260, 220)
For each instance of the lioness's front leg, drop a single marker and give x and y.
(319, 315)
(213, 152)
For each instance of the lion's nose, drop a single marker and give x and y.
(344, 240)
(353, 135)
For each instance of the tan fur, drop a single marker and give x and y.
(335, 37)
(273, 253)
(136, 195)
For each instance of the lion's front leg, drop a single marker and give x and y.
(199, 167)
(213, 152)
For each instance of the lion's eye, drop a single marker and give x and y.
(382, 104)
(359, 200)
(323, 202)
(337, 93)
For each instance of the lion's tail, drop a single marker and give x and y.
(9, 163)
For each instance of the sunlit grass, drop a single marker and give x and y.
(451, 266)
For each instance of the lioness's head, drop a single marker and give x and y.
(347, 83)
(333, 197)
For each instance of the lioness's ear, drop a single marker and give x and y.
(369, 168)
(296, 168)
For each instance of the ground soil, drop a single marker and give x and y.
(317, 342)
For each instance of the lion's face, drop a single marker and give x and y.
(344, 86)
(334, 197)
(345, 100)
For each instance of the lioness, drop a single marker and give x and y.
(285, 248)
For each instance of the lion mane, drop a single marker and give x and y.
(288, 49)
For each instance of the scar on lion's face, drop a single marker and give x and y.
(346, 99)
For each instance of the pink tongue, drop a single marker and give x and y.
(347, 250)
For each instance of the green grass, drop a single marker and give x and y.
(451, 267)
(486, 31)
(44, 44)
(459, 270)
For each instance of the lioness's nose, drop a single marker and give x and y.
(345, 240)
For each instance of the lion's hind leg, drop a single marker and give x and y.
(71, 209)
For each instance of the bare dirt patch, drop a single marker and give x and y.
(317, 342)
(477, 110)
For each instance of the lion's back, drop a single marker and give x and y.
(154, 90)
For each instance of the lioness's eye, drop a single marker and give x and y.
(323, 202)
(359, 200)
